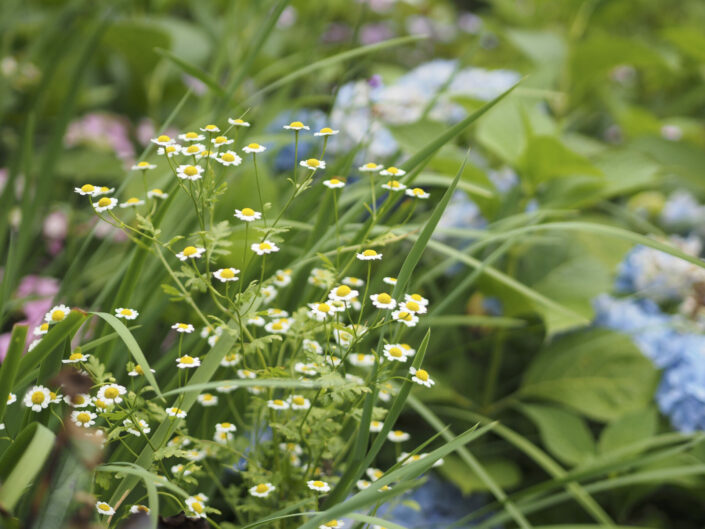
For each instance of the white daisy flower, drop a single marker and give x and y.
(370, 167)
(334, 183)
(418, 298)
(278, 404)
(105, 204)
(196, 507)
(137, 371)
(127, 314)
(194, 149)
(225, 427)
(254, 148)
(86, 189)
(393, 171)
(278, 326)
(376, 426)
(390, 280)
(361, 360)
(363, 484)
(383, 301)
(83, 419)
(195, 455)
(223, 437)
(248, 214)
(75, 357)
(394, 185)
(111, 393)
(176, 412)
(191, 136)
(296, 125)
(408, 350)
(332, 524)
(143, 166)
(54, 397)
(265, 247)
(205, 153)
(394, 353)
(228, 158)
(407, 318)
(369, 255)
(312, 346)
(353, 281)
(384, 395)
(397, 436)
(135, 429)
(169, 150)
(417, 192)
(413, 307)
(189, 172)
(132, 202)
(136, 509)
(313, 164)
(210, 128)
(282, 278)
(246, 373)
(41, 329)
(230, 360)
(104, 191)
(183, 327)
(257, 321)
(308, 369)
(320, 311)
(190, 252)
(179, 441)
(294, 448)
(162, 140)
(298, 402)
(318, 486)
(207, 399)
(100, 405)
(326, 131)
(268, 293)
(342, 293)
(277, 313)
(226, 274)
(354, 379)
(187, 362)
(262, 490)
(102, 507)
(180, 469)
(237, 122)
(157, 193)
(420, 376)
(11, 398)
(219, 141)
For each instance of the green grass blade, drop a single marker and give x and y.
(132, 346)
(245, 383)
(375, 520)
(192, 70)
(11, 364)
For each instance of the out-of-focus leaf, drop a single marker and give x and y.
(629, 429)
(504, 472)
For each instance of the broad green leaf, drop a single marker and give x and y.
(22, 461)
(10, 364)
(565, 434)
(596, 372)
(545, 158)
(629, 429)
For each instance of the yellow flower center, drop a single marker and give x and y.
(207, 397)
(312, 162)
(227, 273)
(163, 138)
(197, 506)
(417, 191)
(189, 251)
(422, 374)
(319, 484)
(104, 506)
(126, 312)
(298, 400)
(38, 397)
(191, 135)
(183, 326)
(262, 487)
(210, 127)
(238, 121)
(370, 165)
(334, 181)
(369, 253)
(104, 189)
(392, 170)
(170, 148)
(406, 316)
(111, 393)
(279, 402)
(277, 326)
(105, 201)
(326, 130)
(44, 327)
(384, 298)
(265, 246)
(396, 352)
(142, 508)
(139, 370)
(417, 297)
(342, 291)
(133, 200)
(412, 305)
(76, 356)
(186, 359)
(227, 157)
(332, 523)
(58, 315)
(225, 424)
(393, 184)
(360, 357)
(296, 125)
(190, 171)
(248, 212)
(253, 146)
(143, 164)
(52, 395)
(221, 139)
(398, 433)
(83, 417)
(100, 404)
(87, 188)
(157, 192)
(323, 307)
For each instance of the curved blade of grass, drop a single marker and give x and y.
(439, 180)
(282, 514)
(132, 346)
(244, 383)
(22, 461)
(11, 364)
(193, 71)
(374, 520)
(459, 320)
(330, 61)
(56, 336)
(433, 420)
